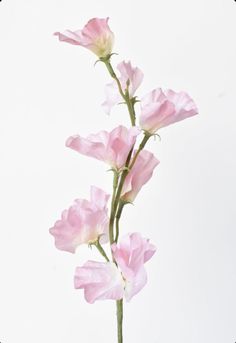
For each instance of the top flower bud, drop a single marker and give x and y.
(95, 36)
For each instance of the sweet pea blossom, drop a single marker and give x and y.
(139, 174)
(111, 147)
(130, 254)
(84, 222)
(95, 36)
(105, 280)
(100, 280)
(161, 108)
(130, 79)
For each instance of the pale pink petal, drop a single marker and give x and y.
(161, 108)
(70, 37)
(154, 114)
(139, 175)
(130, 74)
(135, 284)
(131, 253)
(99, 197)
(100, 280)
(184, 106)
(111, 147)
(83, 223)
(113, 97)
(121, 142)
(93, 145)
(95, 36)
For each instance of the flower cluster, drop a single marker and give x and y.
(122, 275)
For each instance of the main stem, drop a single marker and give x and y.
(118, 182)
(119, 314)
(113, 208)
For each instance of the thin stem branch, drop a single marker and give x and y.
(141, 146)
(101, 250)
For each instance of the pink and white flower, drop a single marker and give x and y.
(104, 280)
(95, 36)
(139, 175)
(130, 78)
(84, 222)
(131, 253)
(111, 147)
(161, 108)
(100, 280)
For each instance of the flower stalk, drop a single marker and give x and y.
(101, 250)
(119, 314)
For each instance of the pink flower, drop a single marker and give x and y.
(106, 281)
(111, 147)
(95, 36)
(84, 222)
(100, 280)
(133, 76)
(130, 254)
(140, 173)
(161, 108)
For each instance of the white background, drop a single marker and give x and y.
(49, 91)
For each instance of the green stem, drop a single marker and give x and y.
(113, 213)
(128, 167)
(121, 183)
(101, 250)
(124, 95)
(141, 146)
(119, 314)
(118, 215)
(118, 182)
(131, 110)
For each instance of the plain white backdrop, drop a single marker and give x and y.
(51, 90)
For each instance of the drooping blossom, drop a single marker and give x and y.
(130, 78)
(100, 280)
(84, 222)
(105, 280)
(139, 174)
(161, 108)
(95, 36)
(131, 253)
(111, 147)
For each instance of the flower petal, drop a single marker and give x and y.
(100, 280)
(139, 175)
(131, 253)
(84, 222)
(95, 36)
(111, 147)
(135, 283)
(162, 108)
(128, 74)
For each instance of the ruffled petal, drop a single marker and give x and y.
(162, 108)
(139, 175)
(95, 36)
(83, 223)
(100, 281)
